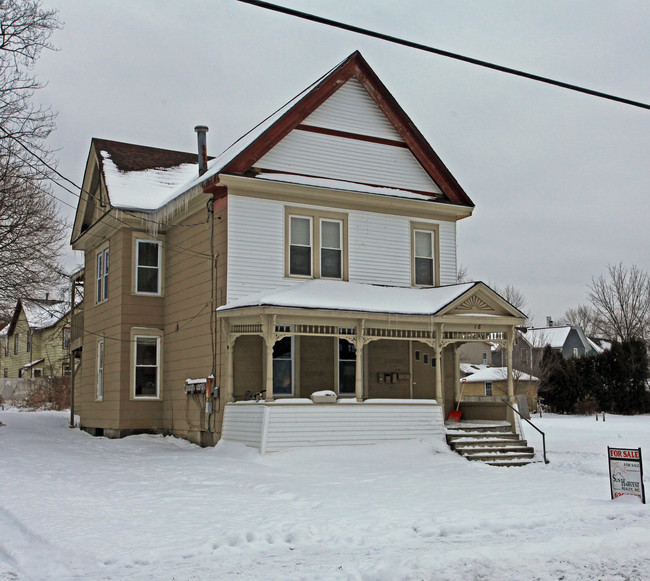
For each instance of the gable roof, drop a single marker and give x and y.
(40, 314)
(246, 152)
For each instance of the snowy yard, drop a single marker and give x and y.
(145, 507)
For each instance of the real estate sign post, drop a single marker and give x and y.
(626, 472)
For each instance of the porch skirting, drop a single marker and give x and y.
(282, 424)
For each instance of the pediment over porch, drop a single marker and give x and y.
(481, 301)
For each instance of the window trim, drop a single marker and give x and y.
(99, 374)
(101, 278)
(491, 388)
(316, 216)
(146, 333)
(16, 342)
(310, 246)
(434, 230)
(137, 266)
(321, 247)
(293, 368)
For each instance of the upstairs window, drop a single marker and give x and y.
(300, 246)
(316, 244)
(102, 276)
(148, 262)
(424, 254)
(99, 394)
(16, 342)
(66, 338)
(29, 341)
(331, 249)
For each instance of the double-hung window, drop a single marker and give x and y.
(331, 249)
(102, 276)
(146, 367)
(488, 388)
(99, 394)
(424, 254)
(300, 246)
(316, 244)
(16, 343)
(148, 266)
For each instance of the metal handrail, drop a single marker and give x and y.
(546, 461)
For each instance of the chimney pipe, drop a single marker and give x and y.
(549, 322)
(201, 130)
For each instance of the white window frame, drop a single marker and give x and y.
(576, 352)
(490, 388)
(101, 360)
(293, 217)
(135, 366)
(16, 343)
(484, 357)
(158, 268)
(101, 275)
(323, 247)
(431, 259)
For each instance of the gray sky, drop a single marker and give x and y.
(561, 181)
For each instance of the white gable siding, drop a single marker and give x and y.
(379, 247)
(351, 109)
(333, 157)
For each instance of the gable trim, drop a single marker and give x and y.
(347, 135)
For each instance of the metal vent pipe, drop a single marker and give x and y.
(201, 131)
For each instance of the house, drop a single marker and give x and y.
(489, 383)
(312, 261)
(35, 344)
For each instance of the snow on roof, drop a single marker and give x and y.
(44, 314)
(497, 374)
(5, 330)
(346, 186)
(28, 365)
(542, 336)
(146, 189)
(472, 368)
(349, 296)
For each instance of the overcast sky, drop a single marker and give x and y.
(561, 181)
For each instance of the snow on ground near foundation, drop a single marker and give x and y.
(151, 508)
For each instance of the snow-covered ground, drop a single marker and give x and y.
(145, 507)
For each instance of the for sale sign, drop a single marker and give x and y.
(626, 472)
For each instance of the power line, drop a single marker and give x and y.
(445, 53)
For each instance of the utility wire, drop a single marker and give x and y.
(445, 53)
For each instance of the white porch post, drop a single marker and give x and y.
(228, 388)
(509, 347)
(358, 371)
(438, 352)
(268, 328)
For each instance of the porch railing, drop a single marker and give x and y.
(514, 409)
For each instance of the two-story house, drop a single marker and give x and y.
(316, 255)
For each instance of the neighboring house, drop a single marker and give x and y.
(478, 353)
(35, 343)
(492, 382)
(316, 253)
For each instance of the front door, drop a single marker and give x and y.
(424, 371)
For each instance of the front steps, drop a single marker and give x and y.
(492, 443)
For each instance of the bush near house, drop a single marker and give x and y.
(613, 381)
(53, 394)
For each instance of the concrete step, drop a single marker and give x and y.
(471, 450)
(495, 443)
(484, 436)
(500, 456)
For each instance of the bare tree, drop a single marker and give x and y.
(621, 301)
(582, 316)
(513, 295)
(31, 232)
(462, 275)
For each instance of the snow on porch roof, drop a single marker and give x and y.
(350, 296)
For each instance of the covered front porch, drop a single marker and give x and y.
(367, 344)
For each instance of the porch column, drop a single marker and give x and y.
(509, 347)
(230, 371)
(268, 329)
(438, 353)
(358, 371)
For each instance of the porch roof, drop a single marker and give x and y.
(348, 296)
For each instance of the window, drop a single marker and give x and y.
(575, 352)
(316, 243)
(488, 388)
(331, 249)
(148, 263)
(283, 366)
(484, 357)
(100, 370)
(37, 372)
(21, 373)
(16, 341)
(300, 242)
(347, 367)
(147, 355)
(6, 372)
(417, 355)
(102, 276)
(425, 268)
(66, 338)
(425, 358)
(7, 345)
(29, 342)
(66, 370)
